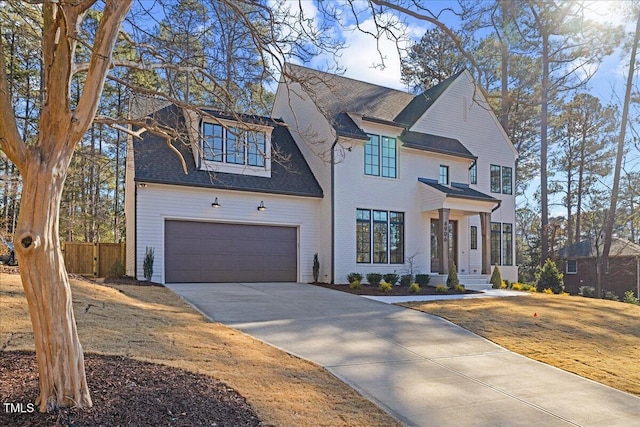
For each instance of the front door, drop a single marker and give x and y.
(436, 245)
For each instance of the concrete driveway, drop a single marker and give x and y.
(421, 369)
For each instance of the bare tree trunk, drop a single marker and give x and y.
(60, 360)
(544, 191)
(611, 217)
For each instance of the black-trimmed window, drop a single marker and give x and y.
(233, 145)
(507, 244)
(496, 248)
(507, 180)
(473, 173)
(363, 236)
(572, 266)
(495, 179)
(396, 237)
(379, 237)
(380, 156)
(474, 237)
(443, 177)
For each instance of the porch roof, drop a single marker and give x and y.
(456, 196)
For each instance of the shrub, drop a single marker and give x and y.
(526, 287)
(391, 278)
(147, 264)
(587, 291)
(116, 270)
(406, 279)
(496, 278)
(442, 289)
(385, 287)
(547, 291)
(422, 279)
(414, 288)
(452, 277)
(355, 284)
(316, 268)
(374, 278)
(630, 298)
(516, 287)
(352, 277)
(459, 288)
(611, 296)
(549, 277)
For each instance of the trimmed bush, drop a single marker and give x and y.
(355, 284)
(316, 268)
(385, 287)
(587, 291)
(547, 291)
(414, 288)
(391, 278)
(352, 277)
(452, 277)
(516, 287)
(422, 279)
(374, 278)
(116, 270)
(496, 278)
(611, 296)
(147, 264)
(459, 288)
(549, 277)
(441, 289)
(630, 298)
(406, 279)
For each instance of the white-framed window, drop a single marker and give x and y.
(233, 148)
(572, 266)
(443, 177)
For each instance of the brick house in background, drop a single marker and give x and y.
(580, 266)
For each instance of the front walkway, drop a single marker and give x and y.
(421, 369)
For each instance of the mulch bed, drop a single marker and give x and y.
(124, 392)
(397, 290)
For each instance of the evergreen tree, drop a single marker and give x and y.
(549, 277)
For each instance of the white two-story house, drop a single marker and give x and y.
(370, 179)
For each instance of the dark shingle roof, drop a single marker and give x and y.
(458, 190)
(421, 103)
(435, 144)
(335, 95)
(155, 162)
(587, 249)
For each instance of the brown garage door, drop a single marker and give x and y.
(213, 252)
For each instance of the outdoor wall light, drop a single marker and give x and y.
(262, 207)
(215, 203)
(142, 185)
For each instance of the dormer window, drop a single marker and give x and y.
(380, 157)
(236, 149)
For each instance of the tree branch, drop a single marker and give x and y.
(10, 140)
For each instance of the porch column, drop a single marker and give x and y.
(485, 232)
(443, 232)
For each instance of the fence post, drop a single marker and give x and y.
(95, 264)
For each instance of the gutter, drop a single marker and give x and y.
(333, 212)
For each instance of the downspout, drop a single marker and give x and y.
(333, 212)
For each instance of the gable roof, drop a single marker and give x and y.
(155, 162)
(587, 249)
(421, 103)
(337, 96)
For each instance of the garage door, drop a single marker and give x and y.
(212, 252)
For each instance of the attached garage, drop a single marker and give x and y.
(222, 252)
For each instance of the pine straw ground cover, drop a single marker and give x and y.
(151, 324)
(596, 339)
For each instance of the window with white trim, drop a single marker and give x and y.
(572, 266)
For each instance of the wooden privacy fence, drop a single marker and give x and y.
(94, 259)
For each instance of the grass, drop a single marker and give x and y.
(152, 324)
(596, 339)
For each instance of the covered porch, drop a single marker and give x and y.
(449, 209)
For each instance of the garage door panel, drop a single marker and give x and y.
(217, 252)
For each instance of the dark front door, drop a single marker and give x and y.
(437, 245)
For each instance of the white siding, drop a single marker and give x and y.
(314, 137)
(157, 203)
